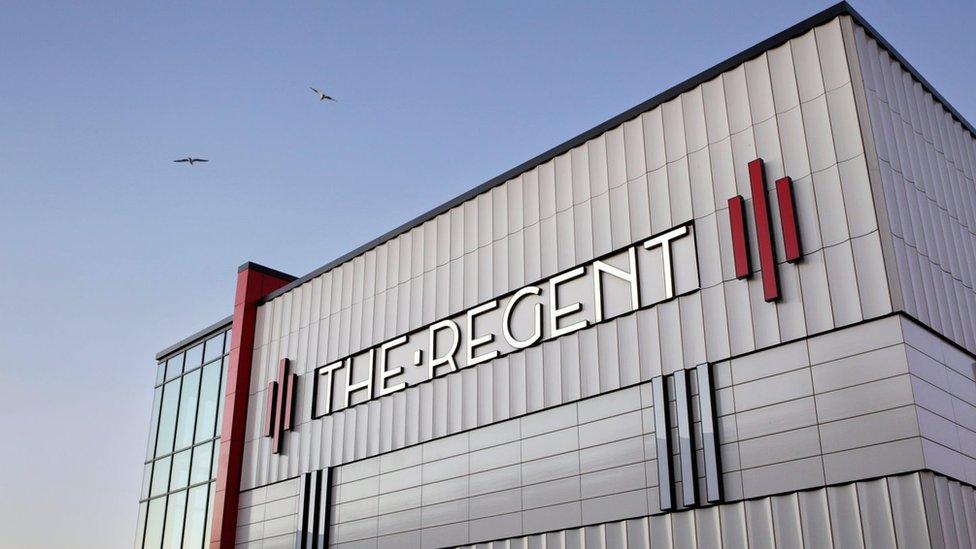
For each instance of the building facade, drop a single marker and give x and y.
(741, 314)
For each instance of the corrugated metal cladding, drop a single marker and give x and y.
(793, 106)
(926, 163)
(880, 398)
(918, 510)
(825, 387)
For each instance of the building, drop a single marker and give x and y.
(766, 274)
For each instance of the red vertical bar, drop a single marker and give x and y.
(740, 246)
(764, 234)
(289, 402)
(269, 408)
(787, 218)
(253, 283)
(279, 410)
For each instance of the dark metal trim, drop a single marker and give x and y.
(195, 338)
(686, 443)
(250, 265)
(314, 505)
(665, 483)
(841, 8)
(709, 433)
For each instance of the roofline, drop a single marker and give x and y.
(841, 8)
(901, 59)
(185, 342)
(252, 266)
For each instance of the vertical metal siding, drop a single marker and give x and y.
(926, 163)
(877, 513)
(679, 162)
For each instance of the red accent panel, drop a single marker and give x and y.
(787, 218)
(740, 246)
(289, 409)
(764, 234)
(252, 285)
(269, 406)
(279, 406)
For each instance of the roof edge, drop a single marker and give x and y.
(901, 59)
(841, 8)
(252, 266)
(208, 331)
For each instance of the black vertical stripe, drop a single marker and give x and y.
(663, 446)
(686, 443)
(325, 506)
(313, 510)
(709, 432)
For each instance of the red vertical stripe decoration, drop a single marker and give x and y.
(787, 217)
(253, 283)
(289, 402)
(279, 408)
(269, 405)
(740, 245)
(764, 234)
(280, 405)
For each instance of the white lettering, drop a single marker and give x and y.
(448, 358)
(474, 342)
(386, 373)
(366, 384)
(664, 241)
(600, 267)
(326, 372)
(507, 319)
(556, 312)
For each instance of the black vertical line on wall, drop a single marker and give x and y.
(686, 443)
(709, 432)
(665, 488)
(314, 503)
(324, 508)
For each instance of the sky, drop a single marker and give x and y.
(110, 252)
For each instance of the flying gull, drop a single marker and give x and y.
(322, 95)
(191, 160)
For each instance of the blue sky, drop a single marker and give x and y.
(110, 252)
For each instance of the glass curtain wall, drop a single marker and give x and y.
(182, 453)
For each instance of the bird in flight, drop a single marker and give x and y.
(191, 160)
(322, 95)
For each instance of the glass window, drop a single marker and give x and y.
(153, 422)
(154, 523)
(196, 513)
(194, 357)
(227, 338)
(214, 348)
(207, 523)
(181, 470)
(220, 390)
(174, 366)
(209, 395)
(184, 429)
(216, 459)
(188, 410)
(167, 417)
(173, 536)
(200, 470)
(146, 479)
(140, 525)
(160, 479)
